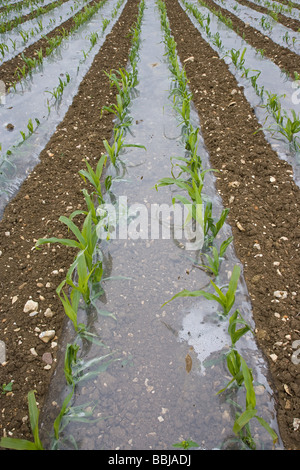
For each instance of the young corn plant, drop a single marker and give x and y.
(237, 57)
(242, 374)
(118, 145)
(94, 177)
(22, 444)
(84, 240)
(212, 228)
(226, 300)
(214, 261)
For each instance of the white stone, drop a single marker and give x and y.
(273, 357)
(33, 314)
(280, 294)
(46, 336)
(31, 306)
(48, 313)
(33, 352)
(296, 424)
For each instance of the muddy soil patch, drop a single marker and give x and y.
(264, 210)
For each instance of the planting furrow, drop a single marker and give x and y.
(19, 6)
(8, 24)
(271, 95)
(53, 189)
(263, 202)
(274, 30)
(18, 39)
(276, 8)
(47, 97)
(294, 4)
(287, 60)
(143, 273)
(293, 24)
(12, 71)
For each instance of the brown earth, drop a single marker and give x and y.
(268, 213)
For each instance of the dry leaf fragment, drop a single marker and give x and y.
(286, 389)
(240, 227)
(188, 363)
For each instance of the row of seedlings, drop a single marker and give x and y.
(6, 26)
(57, 92)
(267, 23)
(82, 284)
(36, 30)
(192, 168)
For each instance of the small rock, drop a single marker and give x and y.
(47, 357)
(259, 390)
(280, 294)
(296, 424)
(14, 299)
(46, 336)
(33, 352)
(272, 179)
(30, 306)
(226, 416)
(33, 314)
(234, 184)
(48, 313)
(286, 389)
(47, 367)
(274, 357)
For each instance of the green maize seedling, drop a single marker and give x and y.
(70, 305)
(225, 300)
(117, 146)
(85, 241)
(245, 376)
(22, 444)
(94, 177)
(83, 276)
(186, 445)
(215, 261)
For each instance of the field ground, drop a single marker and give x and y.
(269, 214)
